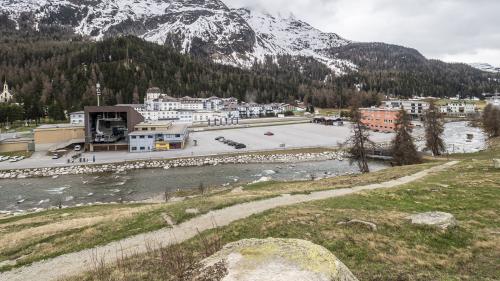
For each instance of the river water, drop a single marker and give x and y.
(18, 195)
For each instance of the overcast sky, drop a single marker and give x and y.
(450, 30)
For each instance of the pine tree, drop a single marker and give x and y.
(404, 151)
(434, 128)
(359, 141)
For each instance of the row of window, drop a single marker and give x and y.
(151, 136)
(141, 137)
(142, 148)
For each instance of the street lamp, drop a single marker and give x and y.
(98, 92)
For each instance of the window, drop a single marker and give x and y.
(150, 137)
(142, 137)
(177, 136)
(143, 148)
(134, 148)
(144, 129)
(134, 137)
(153, 129)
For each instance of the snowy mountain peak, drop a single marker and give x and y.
(486, 67)
(203, 27)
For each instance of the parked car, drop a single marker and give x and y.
(4, 158)
(19, 158)
(13, 159)
(219, 138)
(232, 143)
(269, 134)
(227, 141)
(240, 146)
(78, 147)
(56, 156)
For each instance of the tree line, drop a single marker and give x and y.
(49, 77)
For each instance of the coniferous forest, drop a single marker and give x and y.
(53, 73)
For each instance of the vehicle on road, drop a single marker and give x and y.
(14, 159)
(219, 138)
(56, 156)
(269, 134)
(240, 146)
(4, 158)
(78, 147)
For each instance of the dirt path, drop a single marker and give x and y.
(75, 263)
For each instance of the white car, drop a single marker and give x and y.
(78, 147)
(14, 159)
(4, 158)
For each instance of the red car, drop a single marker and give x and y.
(269, 134)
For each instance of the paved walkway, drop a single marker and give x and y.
(75, 263)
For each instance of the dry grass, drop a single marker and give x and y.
(29, 238)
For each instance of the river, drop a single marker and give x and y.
(20, 195)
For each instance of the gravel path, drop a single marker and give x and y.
(75, 263)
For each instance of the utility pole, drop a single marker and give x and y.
(98, 92)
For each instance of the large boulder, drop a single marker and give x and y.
(279, 260)
(438, 219)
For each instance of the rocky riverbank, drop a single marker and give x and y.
(173, 163)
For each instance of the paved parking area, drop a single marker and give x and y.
(293, 136)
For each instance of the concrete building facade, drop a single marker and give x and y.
(415, 108)
(379, 119)
(459, 108)
(57, 136)
(158, 136)
(77, 118)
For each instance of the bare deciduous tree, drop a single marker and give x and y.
(491, 120)
(359, 141)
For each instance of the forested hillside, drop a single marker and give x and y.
(401, 71)
(53, 73)
(49, 76)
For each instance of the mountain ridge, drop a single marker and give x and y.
(235, 37)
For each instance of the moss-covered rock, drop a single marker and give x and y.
(280, 260)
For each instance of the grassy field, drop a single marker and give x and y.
(26, 154)
(397, 250)
(28, 238)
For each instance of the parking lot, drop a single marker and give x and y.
(291, 136)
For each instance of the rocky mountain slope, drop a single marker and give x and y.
(201, 27)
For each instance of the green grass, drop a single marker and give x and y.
(54, 233)
(26, 154)
(398, 250)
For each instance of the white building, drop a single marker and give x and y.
(495, 100)
(77, 118)
(159, 106)
(459, 108)
(6, 95)
(416, 108)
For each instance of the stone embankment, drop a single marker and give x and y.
(172, 163)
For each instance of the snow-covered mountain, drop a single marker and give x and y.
(202, 27)
(486, 67)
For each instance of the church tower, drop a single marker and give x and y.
(5, 96)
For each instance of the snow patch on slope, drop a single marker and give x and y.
(486, 67)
